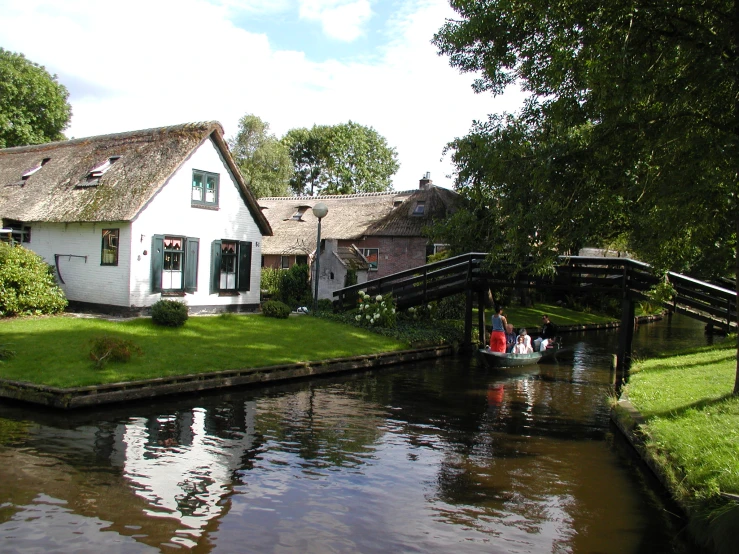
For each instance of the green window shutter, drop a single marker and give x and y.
(244, 269)
(192, 246)
(157, 260)
(215, 266)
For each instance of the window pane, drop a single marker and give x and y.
(109, 255)
(197, 186)
(210, 189)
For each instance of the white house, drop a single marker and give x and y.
(130, 218)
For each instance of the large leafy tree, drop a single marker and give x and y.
(340, 159)
(263, 159)
(631, 128)
(33, 105)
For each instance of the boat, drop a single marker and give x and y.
(500, 360)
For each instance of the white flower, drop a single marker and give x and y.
(378, 298)
(359, 317)
(411, 309)
(382, 304)
(367, 316)
(429, 307)
(393, 310)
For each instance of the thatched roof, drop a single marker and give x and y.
(404, 221)
(62, 190)
(350, 217)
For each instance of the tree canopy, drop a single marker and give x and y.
(340, 159)
(263, 159)
(33, 105)
(630, 130)
(632, 117)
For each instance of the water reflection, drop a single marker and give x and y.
(435, 457)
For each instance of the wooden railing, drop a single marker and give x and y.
(628, 278)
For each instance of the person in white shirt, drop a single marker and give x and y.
(521, 346)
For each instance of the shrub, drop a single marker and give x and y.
(169, 313)
(295, 287)
(271, 281)
(27, 283)
(375, 311)
(275, 308)
(106, 348)
(451, 307)
(424, 312)
(325, 305)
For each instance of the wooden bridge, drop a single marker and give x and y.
(623, 278)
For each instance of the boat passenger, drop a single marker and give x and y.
(546, 343)
(497, 337)
(521, 346)
(526, 337)
(510, 338)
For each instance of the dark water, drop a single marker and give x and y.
(435, 457)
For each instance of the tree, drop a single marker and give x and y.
(340, 159)
(33, 105)
(264, 161)
(631, 127)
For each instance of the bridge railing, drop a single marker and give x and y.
(629, 278)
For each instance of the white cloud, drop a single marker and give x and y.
(175, 61)
(340, 20)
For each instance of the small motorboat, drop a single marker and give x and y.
(500, 360)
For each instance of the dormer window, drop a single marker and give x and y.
(30, 172)
(93, 176)
(298, 216)
(420, 208)
(97, 172)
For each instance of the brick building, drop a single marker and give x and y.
(386, 228)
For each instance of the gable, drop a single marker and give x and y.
(104, 178)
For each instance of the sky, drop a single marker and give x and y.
(294, 63)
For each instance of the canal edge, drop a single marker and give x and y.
(98, 395)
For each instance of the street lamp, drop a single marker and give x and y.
(319, 210)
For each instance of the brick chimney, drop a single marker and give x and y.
(425, 182)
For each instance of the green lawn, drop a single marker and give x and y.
(692, 419)
(530, 318)
(55, 350)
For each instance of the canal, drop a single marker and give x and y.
(439, 456)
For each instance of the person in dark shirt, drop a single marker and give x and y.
(548, 329)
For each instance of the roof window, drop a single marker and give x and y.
(420, 208)
(97, 172)
(30, 172)
(298, 216)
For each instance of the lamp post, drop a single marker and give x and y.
(319, 210)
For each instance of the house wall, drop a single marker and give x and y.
(332, 272)
(398, 254)
(79, 250)
(170, 213)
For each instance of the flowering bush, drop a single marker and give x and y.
(422, 312)
(375, 311)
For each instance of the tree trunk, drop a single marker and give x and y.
(736, 286)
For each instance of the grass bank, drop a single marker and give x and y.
(692, 432)
(520, 316)
(55, 350)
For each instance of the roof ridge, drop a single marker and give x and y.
(354, 195)
(203, 125)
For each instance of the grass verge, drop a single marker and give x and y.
(55, 350)
(530, 318)
(692, 431)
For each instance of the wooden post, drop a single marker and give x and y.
(467, 346)
(481, 317)
(626, 334)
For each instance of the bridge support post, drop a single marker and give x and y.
(626, 335)
(481, 318)
(467, 346)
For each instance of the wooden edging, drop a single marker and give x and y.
(79, 397)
